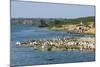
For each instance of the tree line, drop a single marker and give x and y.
(45, 22)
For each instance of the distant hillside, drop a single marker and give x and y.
(44, 22)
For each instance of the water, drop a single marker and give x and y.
(28, 56)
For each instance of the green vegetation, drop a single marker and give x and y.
(84, 25)
(49, 22)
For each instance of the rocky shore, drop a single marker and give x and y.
(64, 44)
(76, 28)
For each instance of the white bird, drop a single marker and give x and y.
(18, 43)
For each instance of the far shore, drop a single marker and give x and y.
(80, 29)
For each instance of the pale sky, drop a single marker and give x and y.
(21, 9)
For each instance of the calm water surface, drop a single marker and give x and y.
(28, 56)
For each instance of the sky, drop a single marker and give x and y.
(21, 9)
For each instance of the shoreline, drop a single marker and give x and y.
(65, 44)
(73, 32)
(75, 28)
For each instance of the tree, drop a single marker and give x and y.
(43, 23)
